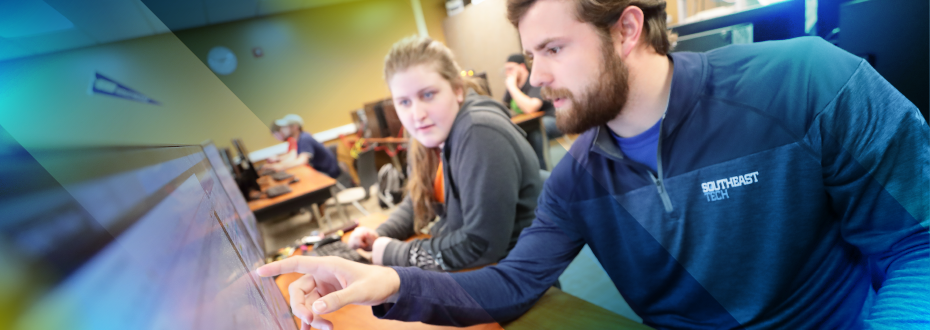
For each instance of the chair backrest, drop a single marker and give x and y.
(366, 169)
(344, 179)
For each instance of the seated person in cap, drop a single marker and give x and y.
(291, 145)
(309, 150)
(522, 97)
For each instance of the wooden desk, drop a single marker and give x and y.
(559, 310)
(525, 117)
(313, 187)
(530, 122)
(393, 140)
(555, 310)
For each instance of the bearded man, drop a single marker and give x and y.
(776, 185)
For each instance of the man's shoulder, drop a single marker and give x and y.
(305, 136)
(801, 48)
(770, 62)
(788, 78)
(307, 143)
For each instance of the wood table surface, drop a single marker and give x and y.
(310, 181)
(395, 140)
(525, 117)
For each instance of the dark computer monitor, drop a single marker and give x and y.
(247, 178)
(226, 155)
(222, 168)
(127, 238)
(894, 37)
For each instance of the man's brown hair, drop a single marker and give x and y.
(604, 13)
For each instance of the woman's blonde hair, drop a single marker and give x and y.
(407, 53)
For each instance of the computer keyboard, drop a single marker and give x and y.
(277, 190)
(279, 176)
(333, 246)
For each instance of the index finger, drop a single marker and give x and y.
(298, 264)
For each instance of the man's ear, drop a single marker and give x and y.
(627, 30)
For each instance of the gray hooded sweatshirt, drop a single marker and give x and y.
(491, 185)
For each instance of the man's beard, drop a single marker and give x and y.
(601, 102)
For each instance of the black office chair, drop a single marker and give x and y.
(367, 177)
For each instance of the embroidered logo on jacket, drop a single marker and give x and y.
(717, 190)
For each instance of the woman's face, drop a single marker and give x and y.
(426, 103)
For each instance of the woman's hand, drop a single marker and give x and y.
(363, 238)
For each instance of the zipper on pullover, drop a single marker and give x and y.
(660, 184)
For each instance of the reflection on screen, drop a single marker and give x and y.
(131, 239)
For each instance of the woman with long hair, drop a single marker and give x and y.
(471, 168)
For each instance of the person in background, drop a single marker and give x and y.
(774, 185)
(471, 167)
(291, 145)
(523, 97)
(309, 150)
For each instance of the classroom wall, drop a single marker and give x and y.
(481, 38)
(671, 9)
(45, 100)
(319, 63)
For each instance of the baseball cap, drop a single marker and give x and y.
(290, 119)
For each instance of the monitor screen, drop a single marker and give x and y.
(235, 195)
(119, 238)
(244, 157)
(248, 174)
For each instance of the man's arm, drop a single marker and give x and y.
(288, 156)
(875, 149)
(499, 293)
(526, 103)
(301, 159)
